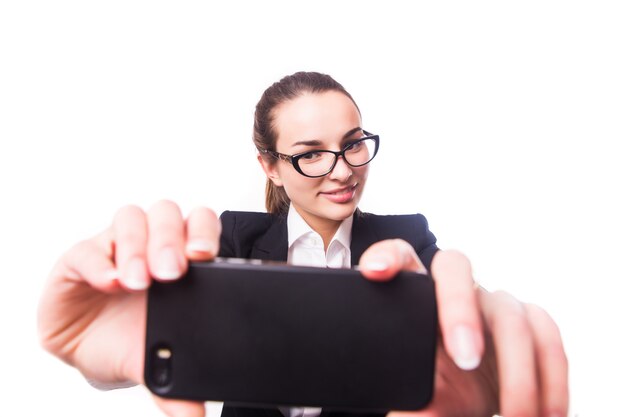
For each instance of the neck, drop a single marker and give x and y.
(326, 228)
(327, 232)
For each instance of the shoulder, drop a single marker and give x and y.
(390, 218)
(241, 229)
(394, 224)
(248, 221)
(412, 228)
(246, 216)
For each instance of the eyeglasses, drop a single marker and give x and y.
(314, 164)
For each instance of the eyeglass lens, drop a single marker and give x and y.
(321, 162)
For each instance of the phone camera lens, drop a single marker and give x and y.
(161, 372)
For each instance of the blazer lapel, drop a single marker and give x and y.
(272, 246)
(363, 236)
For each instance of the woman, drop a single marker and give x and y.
(497, 354)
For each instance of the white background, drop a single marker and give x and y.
(502, 122)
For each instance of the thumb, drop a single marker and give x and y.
(425, 413)
(179, 408)
(384, 259)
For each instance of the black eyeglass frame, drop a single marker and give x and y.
(293, 159)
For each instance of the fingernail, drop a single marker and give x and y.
(201, 245)
(465, 348)
(167, 266)
(136, 275)
(376, 266)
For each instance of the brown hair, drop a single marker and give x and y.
(265, 135)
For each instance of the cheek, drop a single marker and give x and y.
(298, 185)
(361, 172)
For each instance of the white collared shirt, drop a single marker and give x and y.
(306, 248)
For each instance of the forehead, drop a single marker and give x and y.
(315, 116)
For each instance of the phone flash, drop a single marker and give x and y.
(164, 353)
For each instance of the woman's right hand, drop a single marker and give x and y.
(92, 313)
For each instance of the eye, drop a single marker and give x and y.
(354, 146)
(311, 156)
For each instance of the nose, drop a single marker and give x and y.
(342, 171)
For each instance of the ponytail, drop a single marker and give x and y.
(264, 135)
(276, 199)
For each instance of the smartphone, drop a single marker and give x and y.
(264, 334)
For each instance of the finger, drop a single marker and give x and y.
(203, 234)
(425, 413)
(384, 259)
(90, 261)
(130, 236)
(457, 305)
(180, 408)
(551, 362)
(514, 346)
(166, 230)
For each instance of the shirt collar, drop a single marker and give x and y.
(297, 227)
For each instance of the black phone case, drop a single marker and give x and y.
(262, 334)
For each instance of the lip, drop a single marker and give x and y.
(340, 195)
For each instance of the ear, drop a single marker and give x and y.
(271, 171)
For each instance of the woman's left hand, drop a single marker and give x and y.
(497, 354)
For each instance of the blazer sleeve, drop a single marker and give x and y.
(412, 228)
(425, 241)
(227, 237)
(241, 230)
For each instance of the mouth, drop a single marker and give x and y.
(340, 195)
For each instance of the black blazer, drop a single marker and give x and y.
(264, 236)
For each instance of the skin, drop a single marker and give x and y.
(497, 355)
(330, 126)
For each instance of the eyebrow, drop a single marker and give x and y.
(318, 143)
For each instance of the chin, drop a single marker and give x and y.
(341, 212)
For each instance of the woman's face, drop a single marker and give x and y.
(319, 121)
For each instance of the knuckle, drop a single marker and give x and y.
(204, 211)
(451, 263)
(537, 310)
(511, 312)
(539, 314)
(163, 225)
(504, 297)
(212, 214)
(129, 226)
(164, 206)
(205, 215)
(164, 219)
(127, 211)
(550, 337)
(509, 305)
(515, 323)
(456, 256)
